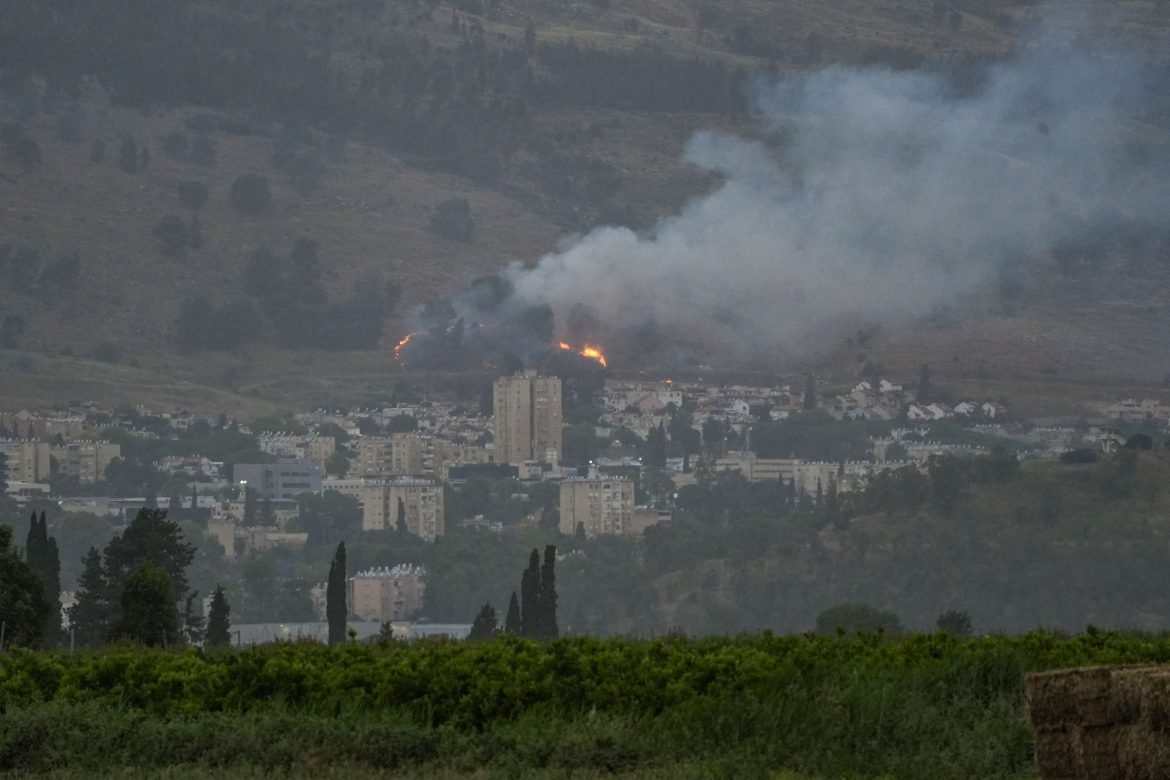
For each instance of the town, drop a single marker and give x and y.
(412, 467)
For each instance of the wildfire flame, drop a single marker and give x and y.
(398, 347)
(591, 352)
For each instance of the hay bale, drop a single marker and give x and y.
(1053, 697)
(1097, 752)
(1144, 754)
(1056, 753)
(1156, 701)
(1125, 697)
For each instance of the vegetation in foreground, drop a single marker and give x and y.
(842, 706)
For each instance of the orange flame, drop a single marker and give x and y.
(398, 347)
(591, 352)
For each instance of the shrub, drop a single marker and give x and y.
(250, 194)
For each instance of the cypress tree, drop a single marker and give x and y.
(335, 609)
(42, 556)
(89, 616)
(810, 394)
(400, 526)
(512, 621)
(219, 620)
(925, 388)
(484, 626)
(530, 598)
(548, 594)
(249, 506)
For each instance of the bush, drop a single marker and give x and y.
(250, 194)
(852, 618)
(452, 219)
(172, 234)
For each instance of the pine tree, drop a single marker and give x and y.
(151, 538)
(530, 598)
(335, 608)
(925, 389)
(512, 621)
(548, 594)
(400, 525)
(810, 394)
(148, 613)
(484, 626)
(218, 620)
(194, 499)
(267, 516)
(89, 617)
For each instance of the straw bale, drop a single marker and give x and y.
(1120, 701)
(1056, 753)
(1053, 696)
(1097, 752)
(1144, 754)
(1156, 701)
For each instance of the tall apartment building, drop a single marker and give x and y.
(601, 506)
(311, 447)
(387, 593)
(528, 418)
(27, 461)
(86, 461)
(422, 500)
(396, 455)
(280, 480)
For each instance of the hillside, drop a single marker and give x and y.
(366, 116)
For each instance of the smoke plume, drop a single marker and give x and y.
(878, 195)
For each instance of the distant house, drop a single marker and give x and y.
(966, 408)
(993, 410)
(918, 412)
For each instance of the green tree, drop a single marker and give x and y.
(44, 559)
(954, 622)
(484, 626)
(452, 219)
(172, 234)
(809, 402)
(151, 538)
(219, 620)
(335, 608)
(148, 611)
(250, 194)
(850, 618)
(548, 594)
(400, 523)
(89, 617)
(22, 597)
(530, 598)
(925, 388)
(512, 620)
(337, 464)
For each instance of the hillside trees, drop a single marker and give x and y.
(250, 194)
(538, 596)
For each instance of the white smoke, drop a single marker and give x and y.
(880, 196)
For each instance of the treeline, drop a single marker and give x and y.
(462, 107)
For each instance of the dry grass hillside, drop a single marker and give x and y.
(370, 212)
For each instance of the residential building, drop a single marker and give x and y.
(387, 593)
(422, 502)
(86, 461)
(601, 506)
(528, 418)
(397, 455)
(280, 480)
(27, 461)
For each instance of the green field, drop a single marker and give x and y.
(753, 706)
